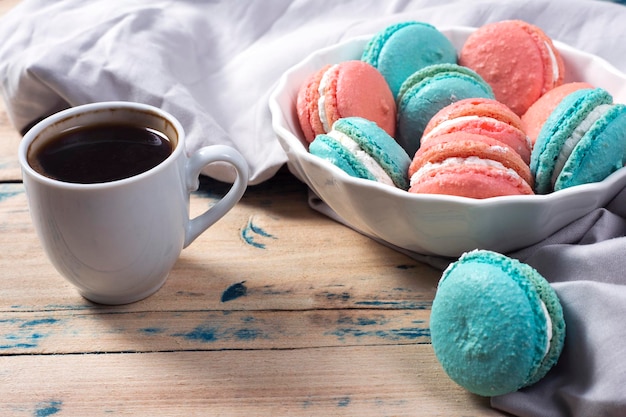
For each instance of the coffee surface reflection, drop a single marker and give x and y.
(100, 153)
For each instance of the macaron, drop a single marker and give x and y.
(540, 110)
(517, 59)
(484, 117)
(402, 48)
(427, 91)
(496, 324)
(350, 88)
(363, 150)
(582, 141)
(468, 165)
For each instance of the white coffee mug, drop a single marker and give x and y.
(117, 241)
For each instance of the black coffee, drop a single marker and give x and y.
(100, 153)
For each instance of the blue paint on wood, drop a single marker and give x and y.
(344, 296)
(209, 334)
(343, 402)
(10, 190)
(406, 333)
(201, 334)
(18, 346)
(39, 322)
(151, 330)
(234, 291)
(362, 321)
(410, 332)
(251, 231)
(48, 408)
(247, 334)
(24, 336)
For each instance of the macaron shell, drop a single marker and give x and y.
(358, 89)
(512, 56)
(434, 70)
(330, 150)
(403, 48)
(600, 152)
(508, 135)
(429, 90)
(379, 145)
(488, 329)
(465, 145)
(550, 54)
(557, 129)
(553, 306)
(307, 105)
(476, 106)
(475, 181)
(540, 110)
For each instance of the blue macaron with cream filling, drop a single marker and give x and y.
(582, 141)
(402, 48)
(496, 324)
(429, 90)
(363, 150)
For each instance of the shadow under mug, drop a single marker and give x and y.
(117, 241)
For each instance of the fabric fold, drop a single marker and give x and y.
(213, 66)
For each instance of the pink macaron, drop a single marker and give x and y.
(517, 59)
(347, 89)
(484, 117)
(538, 113)
(468, 165)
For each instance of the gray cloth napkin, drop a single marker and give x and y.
(213, 65)
(586, 264)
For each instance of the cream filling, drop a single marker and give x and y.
(460, 121)
(555, 64)
(369, 162)
(472, 160)
(548, 327)
(575, 137)
(321, 102)
(447, 124)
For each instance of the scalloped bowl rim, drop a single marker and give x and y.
(299, 155)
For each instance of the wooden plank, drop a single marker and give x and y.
(366, 381)
(82, 332)
(276, 310)
(331, 267)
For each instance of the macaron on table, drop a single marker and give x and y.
(496, 324)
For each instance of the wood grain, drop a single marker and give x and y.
(366, 381)
(276, 310)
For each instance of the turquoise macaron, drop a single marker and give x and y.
(581, 142)
(402, 48)
(364, 150)
(427, 91)
(496, 324)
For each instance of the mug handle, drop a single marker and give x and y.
(195, 164)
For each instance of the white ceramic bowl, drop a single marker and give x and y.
(439, 224)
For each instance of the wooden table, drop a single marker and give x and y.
(276, 310)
